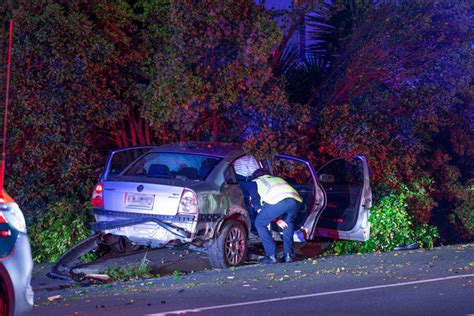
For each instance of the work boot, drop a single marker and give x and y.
(288, 257)
(268, 260)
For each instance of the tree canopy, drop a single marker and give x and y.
(393, 81)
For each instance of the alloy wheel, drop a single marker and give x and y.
(235, 246)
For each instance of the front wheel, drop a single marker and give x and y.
(230, 247)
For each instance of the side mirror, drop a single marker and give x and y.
(326, 178)
(229, 176)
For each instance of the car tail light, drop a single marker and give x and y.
(98, 195)
(188, 203)
(3, 220)
(4, 232)
(5, 198)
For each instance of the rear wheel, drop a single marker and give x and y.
(230, 247)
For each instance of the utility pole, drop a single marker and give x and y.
(4, 145)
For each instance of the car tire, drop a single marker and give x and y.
(230, 247)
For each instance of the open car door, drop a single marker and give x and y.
(300, 175)
(348, 199)
(119, 159)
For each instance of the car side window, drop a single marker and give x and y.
(230, 176)
(295, 172)
(343, 172)
(355, 174)
(121, 160)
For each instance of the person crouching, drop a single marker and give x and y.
(275, 198)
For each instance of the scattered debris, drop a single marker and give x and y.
(101, 277)
(54, 298)
(412, 246)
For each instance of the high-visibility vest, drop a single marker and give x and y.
(274, 189)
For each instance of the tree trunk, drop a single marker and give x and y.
(215, 127)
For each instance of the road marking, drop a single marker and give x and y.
(201, 309)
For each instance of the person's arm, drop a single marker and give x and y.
(254, 196)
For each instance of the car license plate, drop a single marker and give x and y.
(139, 200)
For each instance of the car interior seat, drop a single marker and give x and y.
(188, 172)
(159, 170)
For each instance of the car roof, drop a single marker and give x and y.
(205, 148)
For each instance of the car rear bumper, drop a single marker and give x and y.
(19, 266)
(145, 229)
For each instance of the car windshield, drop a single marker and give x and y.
(173, 166)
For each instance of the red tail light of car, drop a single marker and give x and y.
(4, 232)
(98, 195)
(3, 220)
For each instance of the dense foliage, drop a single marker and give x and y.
(213, 80)
(391, 226)
(401, 93)
(394, 81)
(59, 228)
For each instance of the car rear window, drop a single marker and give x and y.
(173, 166)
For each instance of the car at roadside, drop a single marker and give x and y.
(16, 264)
(194, 194)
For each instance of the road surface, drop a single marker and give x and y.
(439, 281)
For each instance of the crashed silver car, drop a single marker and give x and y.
(194, 194)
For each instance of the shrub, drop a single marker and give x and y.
(400, 94)
(465, 211)
(130, 272)
(391, 226)
(60, 227)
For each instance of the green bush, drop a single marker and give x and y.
(130, 272)
(391, 226)
(465, 212)
(55, 230)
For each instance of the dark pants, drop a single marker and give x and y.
(269, 212)
(252, 212)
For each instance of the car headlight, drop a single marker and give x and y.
(14, 216)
